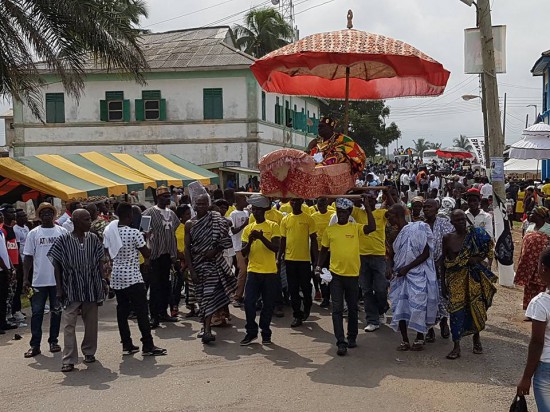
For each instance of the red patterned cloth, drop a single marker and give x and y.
(534, 243)
(292, 173)
(341, 149)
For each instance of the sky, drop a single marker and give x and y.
(436, 27)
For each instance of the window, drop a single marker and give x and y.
(213, 103)
(55, 108)
(263, 105)
(150, 106)
(278, 111)
(114, 108)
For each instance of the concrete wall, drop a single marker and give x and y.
(239, 136)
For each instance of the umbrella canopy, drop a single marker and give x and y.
(454, 153)
(535, 143)
(376, 66)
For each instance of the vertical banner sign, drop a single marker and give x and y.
(497, 169)
(473, 62)
(479, 149)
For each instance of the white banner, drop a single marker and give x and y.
(479, 148)
(473, 61)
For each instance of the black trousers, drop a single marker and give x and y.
(299, 279)
(133, 298)
(344, 288)
(159, 281)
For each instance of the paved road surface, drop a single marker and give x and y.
(300, 372)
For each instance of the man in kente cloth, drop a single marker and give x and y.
(331, 147)
(467, 280)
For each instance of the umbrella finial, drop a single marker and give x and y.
(350, 19)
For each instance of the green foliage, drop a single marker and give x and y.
(462, 142)
(421, 145)
(264, 30)
(367, 123)
(435, 146)
(61, 36)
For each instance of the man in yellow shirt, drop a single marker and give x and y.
(372, 276)
(260, 243)
(342, 240)
(322, 219)
(546, 192)
(298, 245)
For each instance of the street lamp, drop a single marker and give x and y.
(536, 112)
(468, 97)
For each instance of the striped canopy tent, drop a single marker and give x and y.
(80, 176)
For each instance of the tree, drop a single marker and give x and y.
(434, 146)
(264, 30)
(421, 145)
(62, 37)
(367, 123)
(463, 143)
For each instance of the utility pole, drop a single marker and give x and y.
(496, 139)
(504, 121)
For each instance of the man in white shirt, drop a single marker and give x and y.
(486, 189)
(239, 218)
(405, 182)
(68, 225)
(39, 275)
(476, 216)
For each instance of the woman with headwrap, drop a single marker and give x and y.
(535, 241)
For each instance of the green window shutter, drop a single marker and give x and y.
(126, 110)
(162, 109)
(263, 105)
(114, 95)
(213, 103)
(277, 114)
(150, 94)
(103, 111)
(140, 115)
(55, 108)
(50, 111)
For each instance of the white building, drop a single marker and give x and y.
(201, 102)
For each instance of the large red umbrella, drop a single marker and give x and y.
(350, 64)
(454, 153)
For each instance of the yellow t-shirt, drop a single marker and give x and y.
(272, 214)
(374, 243)
(231, 208)
(343, 243)
(519, 203)
(297, 230)
(286, 208)
(321, 222)
(180, 238)
(260, 258)
(546, 189)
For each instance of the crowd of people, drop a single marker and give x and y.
(412, 243)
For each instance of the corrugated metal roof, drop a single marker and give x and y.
(208, 47)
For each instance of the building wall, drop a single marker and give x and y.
(239, 136)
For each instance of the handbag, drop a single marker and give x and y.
(519, 404)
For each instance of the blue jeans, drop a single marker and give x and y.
(374, 285)
(344, 287)
(38, 302)
(265, 286)
(541, 387)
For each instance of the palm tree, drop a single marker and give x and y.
(264, 30)
(420, 146)
(463, 143)
(62, 37)
(435, 146)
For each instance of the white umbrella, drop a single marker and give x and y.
(535, 143)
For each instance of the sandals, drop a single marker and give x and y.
(454, 354)
(67, 367)
(404, 346)
(32, 352)
(418, 345)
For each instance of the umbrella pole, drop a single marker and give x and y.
(346, 106)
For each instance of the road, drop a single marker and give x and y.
(300, 371)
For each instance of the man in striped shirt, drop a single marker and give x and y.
(81, 286)
(164, 253)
